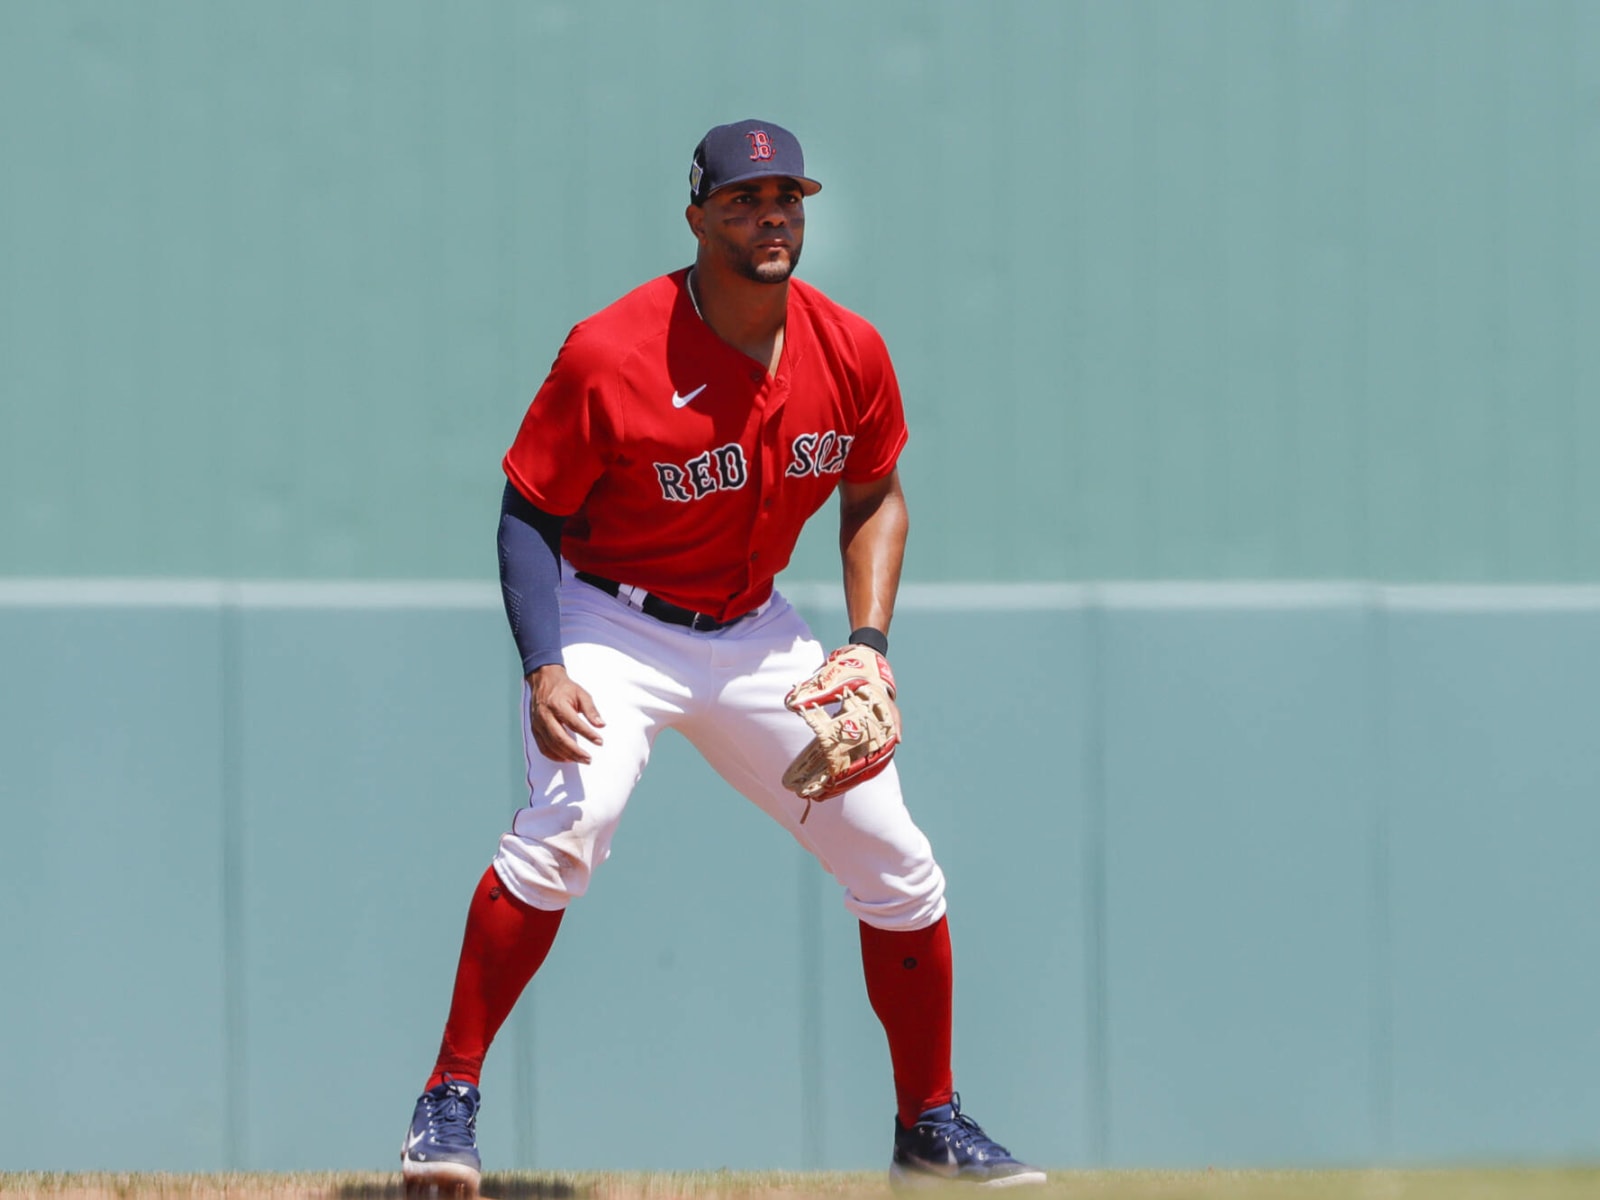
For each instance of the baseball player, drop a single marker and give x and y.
(658, 483)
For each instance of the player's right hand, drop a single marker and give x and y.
(560, 709)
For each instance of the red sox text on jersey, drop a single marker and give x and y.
(725, 469)
(684, 467)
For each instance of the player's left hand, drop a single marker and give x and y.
(849, 704)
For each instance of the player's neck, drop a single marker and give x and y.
(749, 316)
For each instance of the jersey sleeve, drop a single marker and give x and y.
(566, 436)
(880, 432)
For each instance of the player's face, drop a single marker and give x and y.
(756, 227)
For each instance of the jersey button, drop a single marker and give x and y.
(755, 376)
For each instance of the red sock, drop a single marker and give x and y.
(908, 982)
(505, 943)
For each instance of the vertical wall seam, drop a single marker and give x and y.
(1097, 1071)
(1503, 542)
(1360, 357)
(1381, 960)
(236, 1060)
(1572, 531)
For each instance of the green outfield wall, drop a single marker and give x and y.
(1259, 294)
(1276, 875)
(1177, 288)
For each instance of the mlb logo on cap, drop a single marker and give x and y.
(748, 149)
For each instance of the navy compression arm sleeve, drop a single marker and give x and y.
(530, 573)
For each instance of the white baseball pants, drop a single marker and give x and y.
(724, 691)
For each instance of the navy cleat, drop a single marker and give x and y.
(441, 1147)
(946, 1145)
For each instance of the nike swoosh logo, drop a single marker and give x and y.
(415, 1139)
(679, 401)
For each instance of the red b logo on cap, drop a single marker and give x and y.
(760, 145)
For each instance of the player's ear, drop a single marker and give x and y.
(696, 217)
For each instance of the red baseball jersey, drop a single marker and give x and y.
(685, 468)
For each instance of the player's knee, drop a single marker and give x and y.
(540, 874)
(912, 900)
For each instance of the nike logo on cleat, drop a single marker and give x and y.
(679, 401)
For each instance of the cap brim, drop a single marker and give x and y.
(808, 187)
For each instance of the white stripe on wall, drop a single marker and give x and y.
(924, 597)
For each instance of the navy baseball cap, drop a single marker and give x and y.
(746, 150)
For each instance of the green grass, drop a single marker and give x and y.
(1492, 1184)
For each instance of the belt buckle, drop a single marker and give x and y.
(711, 623)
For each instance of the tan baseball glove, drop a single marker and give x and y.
(849, 704)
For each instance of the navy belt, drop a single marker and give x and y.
(655, 606)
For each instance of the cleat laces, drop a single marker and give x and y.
(452, 1120)
(966, 1137)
